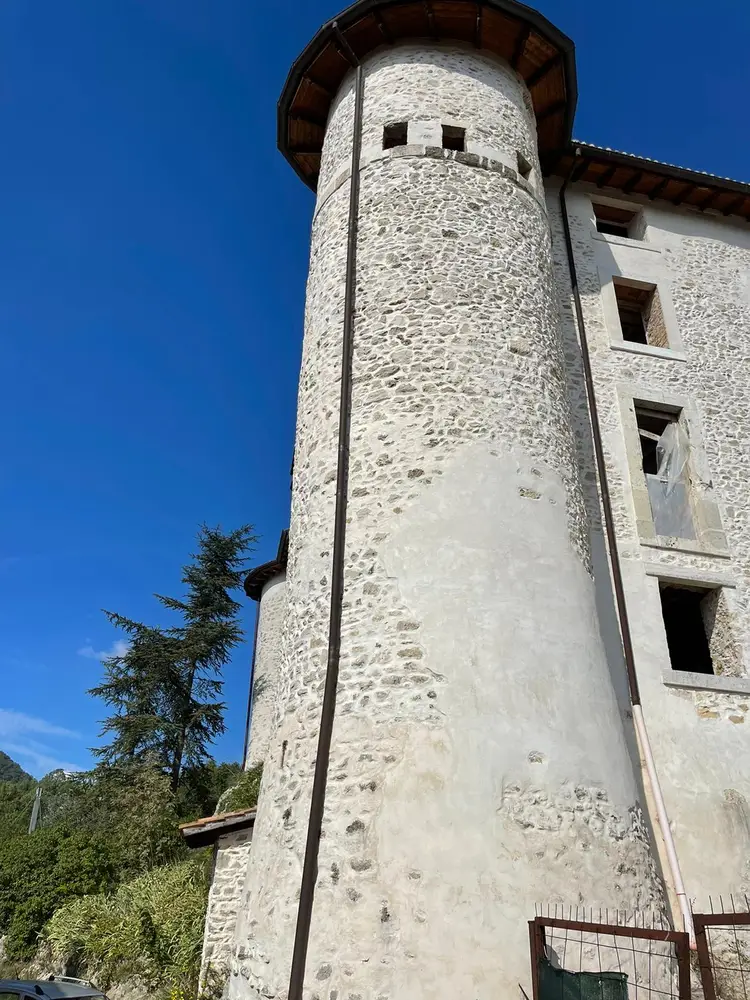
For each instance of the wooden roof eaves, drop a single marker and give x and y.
(667, 170)
(330, 33)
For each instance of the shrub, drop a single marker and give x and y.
(150, 929)
(40, 872)
(244, 794)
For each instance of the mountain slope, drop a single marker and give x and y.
(10, 771)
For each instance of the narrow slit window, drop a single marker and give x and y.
(688, 615)
(395, 135)
(454, 138)
(664, 457)
(524, 167)
(616, 221)
(641, 314)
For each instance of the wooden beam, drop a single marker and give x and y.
(317, 82)
(734, 204)
(658, 188)
(607, 176)
(544, 69)
(430, 17)
(707, 202)
(382, 27)
(579, 171)
(550, 110)
(309, 119)
(305, 150)
(633, 183)
(478, 27)
(688, 189)
(520, 46)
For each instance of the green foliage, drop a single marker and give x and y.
(165, 690)
(39, 873)
(149, 929)
(16, 802)
(10, 771)
(202, 787)
(243, 794)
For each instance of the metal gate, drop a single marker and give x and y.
(590, 960)
(723, 942)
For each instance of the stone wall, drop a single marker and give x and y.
(479, 760)
(231, 859)
(265, 709)
(701, 265)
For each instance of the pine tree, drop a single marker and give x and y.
(166, 689)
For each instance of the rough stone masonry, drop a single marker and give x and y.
(466, 782)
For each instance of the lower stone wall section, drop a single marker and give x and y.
(231, 857)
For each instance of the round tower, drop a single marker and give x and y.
(478, 760)
(266, 584)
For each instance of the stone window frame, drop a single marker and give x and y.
(607, 275)
(657, 573)
(711, 539)
(640, 242)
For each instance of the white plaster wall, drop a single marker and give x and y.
(479, 763)
(700, 738)
(230, 865)
(265, 712)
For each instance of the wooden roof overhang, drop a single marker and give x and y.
(257, 578)
(542, 54)
(608, 168)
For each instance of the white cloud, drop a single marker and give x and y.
(38, 762)
(119, 648)
(14, 724)
(17, 738)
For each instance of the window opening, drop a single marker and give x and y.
(616, 221)
(641, 314)
(665, 451)
(687, 613)
(454, 138)
(524, 167)
(395, 135)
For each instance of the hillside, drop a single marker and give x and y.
(10, 771)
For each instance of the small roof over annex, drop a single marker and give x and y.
(206, 831)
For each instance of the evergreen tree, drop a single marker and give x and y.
(166, 688)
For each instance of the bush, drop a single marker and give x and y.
(244, 794)
(41, 872)
(150, 929)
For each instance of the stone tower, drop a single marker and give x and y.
(479, 761)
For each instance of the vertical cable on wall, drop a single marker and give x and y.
(317, 801)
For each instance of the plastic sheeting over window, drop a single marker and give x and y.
(669, 489)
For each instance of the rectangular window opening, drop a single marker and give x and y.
(524, 167)
(664, 459)
(641, 314)
(616, 221)
(454, 138)
(688, 614)
(395, 135)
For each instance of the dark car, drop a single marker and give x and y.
(56, 988)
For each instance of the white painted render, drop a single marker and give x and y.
(698, 724)
(264, 715)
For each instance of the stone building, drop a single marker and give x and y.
(520, 504)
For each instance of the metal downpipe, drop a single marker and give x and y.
(328, 711)
(620, 603)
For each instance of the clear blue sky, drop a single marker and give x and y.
(153, 251)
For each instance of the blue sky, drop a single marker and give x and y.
(153, 251)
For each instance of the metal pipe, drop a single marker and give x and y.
(317, 801)
(614, 558)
